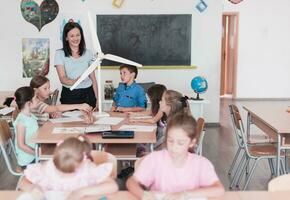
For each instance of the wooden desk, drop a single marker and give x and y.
(273, 120)
(125, 195)
(44, 135)
(196, 107)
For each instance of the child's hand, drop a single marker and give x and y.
(113, 109)
(85, 107)
(75, 195)
(149, 196)
(55, 115)
(174, 196)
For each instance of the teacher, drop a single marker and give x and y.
(70, 62)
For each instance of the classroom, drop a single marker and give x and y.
(238, 46)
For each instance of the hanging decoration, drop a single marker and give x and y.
(118, 3)
(201, 6)
(39, 15)
(235, 1)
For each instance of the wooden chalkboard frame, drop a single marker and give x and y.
(169, 36)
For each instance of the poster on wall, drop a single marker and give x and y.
(35, 56)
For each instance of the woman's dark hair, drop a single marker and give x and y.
(21, 96)
(186, 122)
(66, 48)
(155, 93)
(38, 81)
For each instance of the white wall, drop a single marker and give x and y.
(263, 48)
(206, 34)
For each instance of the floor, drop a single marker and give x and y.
(219, 147)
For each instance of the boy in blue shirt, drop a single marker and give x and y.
(130, 96)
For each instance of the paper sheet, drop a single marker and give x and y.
(66, 119)
(110, 120)
(68, 130)
(97, 128)
(140, 117)
(75, 113)
(137, 128)
(6, 110)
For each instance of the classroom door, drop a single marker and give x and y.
(229, 55)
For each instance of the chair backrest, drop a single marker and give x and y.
(5, 136)
(239, 128)
(200, 135)
(280, 183)
(237, 123)
(5, 132)
(52, 98)
(147, 85)
(100, 157)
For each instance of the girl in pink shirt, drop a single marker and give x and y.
(71, 172)
(175, 173)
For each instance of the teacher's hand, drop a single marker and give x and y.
(85, 107)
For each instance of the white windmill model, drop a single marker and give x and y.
(99, 56)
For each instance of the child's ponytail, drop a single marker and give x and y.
(8, 101)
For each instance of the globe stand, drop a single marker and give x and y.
(197, 98)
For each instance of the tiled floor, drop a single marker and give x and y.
(219, 147)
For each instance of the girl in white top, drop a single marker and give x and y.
(71, 171)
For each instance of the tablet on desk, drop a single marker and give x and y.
(118, 134)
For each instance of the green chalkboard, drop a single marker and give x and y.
(154, 40)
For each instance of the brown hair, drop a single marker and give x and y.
(38, 81)
(186, 122)
(131, 69)
(177, 102)
(69, 154)
(155, 93)
(21, 96)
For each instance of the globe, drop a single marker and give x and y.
(199, 85)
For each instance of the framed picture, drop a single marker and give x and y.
(35, 56)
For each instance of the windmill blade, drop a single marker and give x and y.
(121, 60)
(95, 39)
(88, 71)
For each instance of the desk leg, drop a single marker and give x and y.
(151, 147)
(201, 110)
(278, 155)
(248, 124)
(37, 146)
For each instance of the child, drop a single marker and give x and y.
(173, 102)
(71, 171)
(174, 173)
(129, 96)
(25, 125)
(41, 86)
(155, 93)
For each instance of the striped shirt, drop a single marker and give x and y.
(38, 111)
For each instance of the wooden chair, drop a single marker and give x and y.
(200, 135)
(251, 152)
(280, 183)
(6, 138)
(102, 157)
(52, 98)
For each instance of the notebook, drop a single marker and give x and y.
(118, 134)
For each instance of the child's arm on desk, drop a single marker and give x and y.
(108, 186)
(129, 109)
(152, 120)
(214, 190)
(136, 189)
